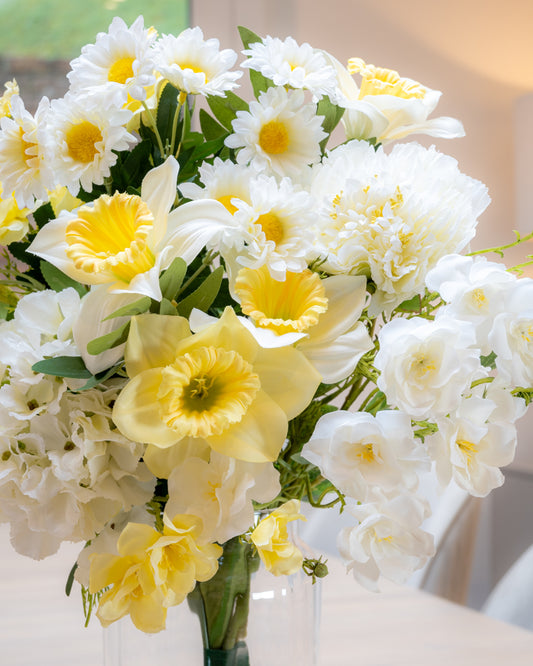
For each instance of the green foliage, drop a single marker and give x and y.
(57, 280)
(332, 115)
(202, 297)
(63, 366)
(172, 279)
(225, 108)
(259, 82)
(109, 340)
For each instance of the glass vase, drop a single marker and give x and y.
(243, 616)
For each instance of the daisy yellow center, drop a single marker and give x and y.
(25, 146)
(284, 307)
(194, 68)
(225, 200)
(121, 70)
(468, 449)
(205, 391)
(271, 226)
(274, 137)
(380, 81)
(111, 237)
(81, 141)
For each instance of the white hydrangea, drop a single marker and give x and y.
(388, 540)
(392, 216)
(426, 365)
(357, 452)
(220, 492)
(65, 475)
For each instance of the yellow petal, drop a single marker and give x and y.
(136, 411)
(161, 462)
(152, 341)
(136, 538)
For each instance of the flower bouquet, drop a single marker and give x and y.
(213, 311)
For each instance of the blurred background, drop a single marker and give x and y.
(479, 53)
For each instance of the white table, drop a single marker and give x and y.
(40, 626)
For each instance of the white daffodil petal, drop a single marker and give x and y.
(158, 190)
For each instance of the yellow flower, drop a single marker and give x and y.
(218, 386)
(152, 572)
(11, 88)
(381, 81)
(13, 220)
(279, 555)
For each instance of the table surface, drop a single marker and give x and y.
(40, 626)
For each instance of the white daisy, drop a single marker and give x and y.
(287, 63)
(23, 165)
(195, 65)
(280, 133)
(120, 61)
(83, 139)
(275, 226)
(393, 216)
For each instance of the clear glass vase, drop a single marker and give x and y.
(244, 616)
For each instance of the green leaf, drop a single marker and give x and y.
(57, 280)
(248, 36)
(63, 366)
(43, 214)
(412, 305)
(208, 148)
(166, 109)
(172, 278)
(94, 380)
(259, 82)
(132, 166)
(109, 340)
(210, 128)
(166, 307)
(137, 307)
(489, 361)
(204, 296)
(70, 580)
(225, 108)
(332, 115)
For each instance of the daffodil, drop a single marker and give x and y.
(320, 316)
(124, 240)
(218, 386)
(271, 538)
(152, 572)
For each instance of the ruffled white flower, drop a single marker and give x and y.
(511, 337)
(321, 317)
(119, 64)
(288, 63)
(475, 289)
(426, 365)
(24, 167)
(82, 140)
(393, 216)
(275, 228)
(195, 65)
(473, 443)
(387, 106)
(280, 133)
(130, 259)
(220, 492)
(64, 475)
(387, 541)
(357, 451)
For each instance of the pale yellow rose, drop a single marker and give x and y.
(152, 572)
(279, 555)
(13, 220)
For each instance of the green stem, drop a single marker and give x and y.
(500, 249)
(181, 100)
(209, 258)
(154, 127)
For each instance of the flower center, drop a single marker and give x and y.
(274, 137)
(468, 449)
(478, 297)
(284, 307)
(423, 365)
(380, 81)
(271, 226)
(205, 391)
(81, 141)
(111, 237)
(121, 70)
(365, 453)
(25, 146)
(225, 200)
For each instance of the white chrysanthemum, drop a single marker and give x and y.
(82, 140)
(119, 63)
(280, 133)
(194, 65)
(472, 444)
(511, 337)
(393, 216)
(287, 63)
(475, 289)
(357, 451)
(220, 492)
(24, 168)
(387, 541)
(426, 365)
(275, 227)
(65, 475)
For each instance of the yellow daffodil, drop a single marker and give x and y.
(279, 555)
(218, 386)
(152, 572)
